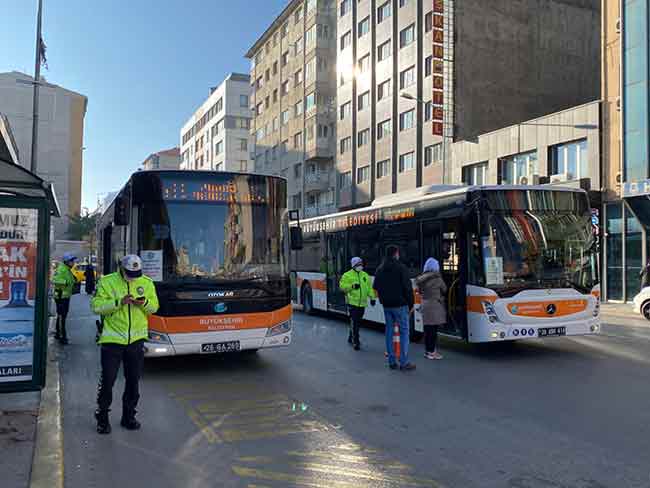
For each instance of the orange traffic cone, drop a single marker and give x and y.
(396, 342)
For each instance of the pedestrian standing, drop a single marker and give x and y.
(90, 279)
(644, 275)
(395, 292)
(356, 285)
(124, 300)
(64, 282)
(432, 289)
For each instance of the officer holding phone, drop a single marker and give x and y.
(124, 300)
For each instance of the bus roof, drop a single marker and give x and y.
(196, 171)
(433, 192)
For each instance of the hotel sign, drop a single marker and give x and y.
(438, 67)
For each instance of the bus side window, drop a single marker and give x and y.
(364, 243)
(406, 237)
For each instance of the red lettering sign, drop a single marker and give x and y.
(439, 6)
(438, 36)
(438, 98)
(438, 21)
(437, 128)
(437, 66)
(438, 113)
(438, 82)
(438, 52)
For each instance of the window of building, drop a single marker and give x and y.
(428, 22)
(384, 129)
(311, 5)
(297, 201)
(383, 90)
(428, 111)
(310, 70)
(297, 16)
(364, 63)
(384, 51)
(284, 146)
(406, 162)
(364, 101)
(297, 170)
(310, 102)
(432, 154)
(407, 120)
(570, 160)
(275, 95)
(518, 169)
(323, 131)
(364, 27)
(243, 101)
(345, 180)
(402, 3)
(284, 117)
(275, 68)
(285, 58)
(297, 77)
(267, 102)
(219, 167)
(345, 7)
(285, 88)
(475, 174)
(243, 144)
(383, 168)
(309, 132)
(218, 148)
(346, 40)
(285, 30)
(363, 137)
(428, 64)
(363, 174)
(407, 36)
(346, 110)
(407, 78)
(267, 75)
(310, 36)
(297, 140)
(383, 12)
(259, 110)
(297, 47)
(345, 144)
(297, 109)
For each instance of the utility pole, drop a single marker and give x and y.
(37, 80)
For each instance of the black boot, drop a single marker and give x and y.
(103, 425)
(57, 334)
(128, 420)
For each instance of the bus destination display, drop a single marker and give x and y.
(222, 192)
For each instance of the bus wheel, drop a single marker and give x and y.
(307, 300)
(415, 336)
(645, 310)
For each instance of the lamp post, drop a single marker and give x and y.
(37, 78)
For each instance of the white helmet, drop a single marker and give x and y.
(132, 265)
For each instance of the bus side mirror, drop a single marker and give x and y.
(295, 233)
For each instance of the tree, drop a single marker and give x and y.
(82, 227)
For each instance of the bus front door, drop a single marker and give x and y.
(335, 269)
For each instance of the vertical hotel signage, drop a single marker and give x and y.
(438, 67)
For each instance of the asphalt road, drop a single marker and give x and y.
(562, 413)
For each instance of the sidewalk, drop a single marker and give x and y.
(622, 314)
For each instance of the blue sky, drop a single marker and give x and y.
(145, 65)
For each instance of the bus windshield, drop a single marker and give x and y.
(207, 235)
(525, 249)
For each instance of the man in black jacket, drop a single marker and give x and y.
(395, 292)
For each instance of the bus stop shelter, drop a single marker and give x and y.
(27, 203)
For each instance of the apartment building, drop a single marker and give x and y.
(217, 136)
(293, 78)
(167, 159)
(62, 115)
(626, 150)
(413, 76)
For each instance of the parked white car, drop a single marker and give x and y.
(642, 302)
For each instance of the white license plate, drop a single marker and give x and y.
(551, 332)
(220, 347)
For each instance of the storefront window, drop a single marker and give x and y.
(633, 254)
(614, 255)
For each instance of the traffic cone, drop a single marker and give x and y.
(396, 342)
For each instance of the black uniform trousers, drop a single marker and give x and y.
(62, 309)
(132, 359)
(356, 317)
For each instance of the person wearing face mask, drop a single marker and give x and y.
(124, 300)
(356, 285)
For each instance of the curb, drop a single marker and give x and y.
(47, 464)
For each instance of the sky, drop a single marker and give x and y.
(145, 66)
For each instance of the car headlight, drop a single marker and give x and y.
(158, 337)
(282, 328)
(491, 313)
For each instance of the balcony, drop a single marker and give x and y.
(315, 211)
(316, 181)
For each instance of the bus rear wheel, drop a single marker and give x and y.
(645, 310)
(307, 300)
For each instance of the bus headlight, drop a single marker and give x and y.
(282, 328)
(491, 313)
(157, 337)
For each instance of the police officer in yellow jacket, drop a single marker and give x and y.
(357, 287)
(64, 282)
(124, 300)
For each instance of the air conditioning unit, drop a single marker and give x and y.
(529, 180)
(560, 177)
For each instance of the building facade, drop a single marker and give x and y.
(217, 136)
(60, 137)
(167, 159)
(626, 158)
(409, 69)
(293, 100)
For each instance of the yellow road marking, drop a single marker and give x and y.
(255, 459)
(207, 431)
(291, 478)
(236, 435)
(349, 458)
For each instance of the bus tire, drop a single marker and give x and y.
(415, 336)
(645, 309)
(307, 299)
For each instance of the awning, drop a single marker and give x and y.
(16, 180)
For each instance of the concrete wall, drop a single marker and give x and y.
(517, 60)
(60, 143)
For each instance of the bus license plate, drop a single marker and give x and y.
(220, 347)
(551, 331)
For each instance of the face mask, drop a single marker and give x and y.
(359, 268)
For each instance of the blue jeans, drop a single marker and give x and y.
(401, 316)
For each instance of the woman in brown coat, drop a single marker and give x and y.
(432, 289)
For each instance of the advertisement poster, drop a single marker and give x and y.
(18, 245)
(152, 264)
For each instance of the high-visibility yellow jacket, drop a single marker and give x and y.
(357, 297)
(124, 324)
(63, 281)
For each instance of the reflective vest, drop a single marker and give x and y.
(357, 297)
(63, 281)
(124, 324)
